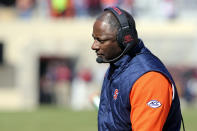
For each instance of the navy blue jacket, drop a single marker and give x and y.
(114, 108)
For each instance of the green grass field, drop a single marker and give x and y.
(190, 118)
(58, 119)
(49, 119)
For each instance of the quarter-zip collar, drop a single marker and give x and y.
(117, 67)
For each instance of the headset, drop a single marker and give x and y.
(124, 35)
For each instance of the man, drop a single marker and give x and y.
(138, 92)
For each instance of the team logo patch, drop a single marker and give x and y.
(115, 94)
(154, 104)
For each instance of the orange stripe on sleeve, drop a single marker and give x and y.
(152, 86)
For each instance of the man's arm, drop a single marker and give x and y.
(150, 98)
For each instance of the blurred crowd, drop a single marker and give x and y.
(186, 82)
(65, 8)
(84, 8)
(71, 8)
(64, 85)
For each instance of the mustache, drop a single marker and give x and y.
(98, 53)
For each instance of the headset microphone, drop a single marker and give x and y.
(101, 60)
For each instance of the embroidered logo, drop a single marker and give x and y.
(115, 94)
(154, 104)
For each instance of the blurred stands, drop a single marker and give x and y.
(38, 33)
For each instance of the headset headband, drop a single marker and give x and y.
(120, 16)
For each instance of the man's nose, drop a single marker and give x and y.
(95, 45)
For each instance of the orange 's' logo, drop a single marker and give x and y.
(115, 94)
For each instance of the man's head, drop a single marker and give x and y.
(108, 43)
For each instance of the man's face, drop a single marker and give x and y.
(105, 43)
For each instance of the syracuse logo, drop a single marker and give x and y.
(115, 94)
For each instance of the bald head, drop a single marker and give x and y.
(109, 18)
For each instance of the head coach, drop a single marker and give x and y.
(138, 92)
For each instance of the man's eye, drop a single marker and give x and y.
(101, 41)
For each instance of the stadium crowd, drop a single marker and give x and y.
(83, 8)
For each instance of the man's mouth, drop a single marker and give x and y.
(99, 55)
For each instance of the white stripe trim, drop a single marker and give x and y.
(173, 92)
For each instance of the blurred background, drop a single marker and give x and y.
(48, 72)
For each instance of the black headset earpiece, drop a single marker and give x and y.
(125, 34)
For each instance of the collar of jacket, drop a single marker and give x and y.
(118, 67)
(130, 54)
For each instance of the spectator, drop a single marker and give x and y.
(81, 8)
(128, 5)
(80, 89)
(62, 85)
(25, 8)
(61, 8)
(94, 7)
(107, 3)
